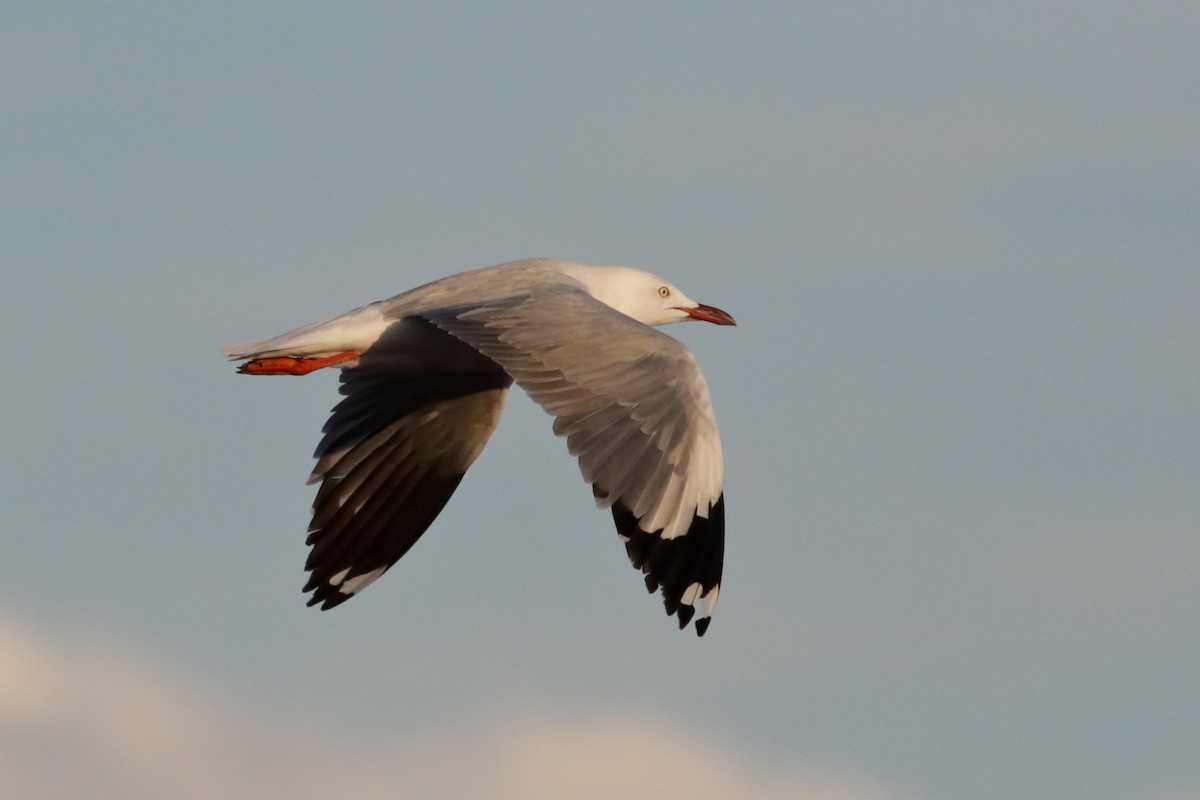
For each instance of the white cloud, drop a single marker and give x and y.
(85, 720)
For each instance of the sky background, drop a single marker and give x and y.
(959, 412)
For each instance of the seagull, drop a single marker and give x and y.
(425, 375)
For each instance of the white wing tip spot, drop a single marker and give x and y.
(710, 601)
(355, 584)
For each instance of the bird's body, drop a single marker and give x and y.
(425, 375)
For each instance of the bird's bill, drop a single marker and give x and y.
(709, 314)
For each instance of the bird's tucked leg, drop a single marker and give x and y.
(294, 365)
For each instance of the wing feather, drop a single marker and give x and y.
(636, 412)
(394, 451)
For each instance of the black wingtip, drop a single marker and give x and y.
(324, 595)
(676, 565)
(685, 614)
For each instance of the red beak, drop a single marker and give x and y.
(709, 314)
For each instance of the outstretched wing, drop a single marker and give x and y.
(393, 453)
(636, 412)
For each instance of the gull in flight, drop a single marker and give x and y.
(425, 375)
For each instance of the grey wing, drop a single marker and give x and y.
(394, 451)
(636, 412)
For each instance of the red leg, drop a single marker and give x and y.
(294, 365)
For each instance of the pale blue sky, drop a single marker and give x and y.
(959, 412)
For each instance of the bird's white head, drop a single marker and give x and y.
(647, 298)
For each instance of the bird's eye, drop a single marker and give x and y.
(663, 291)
